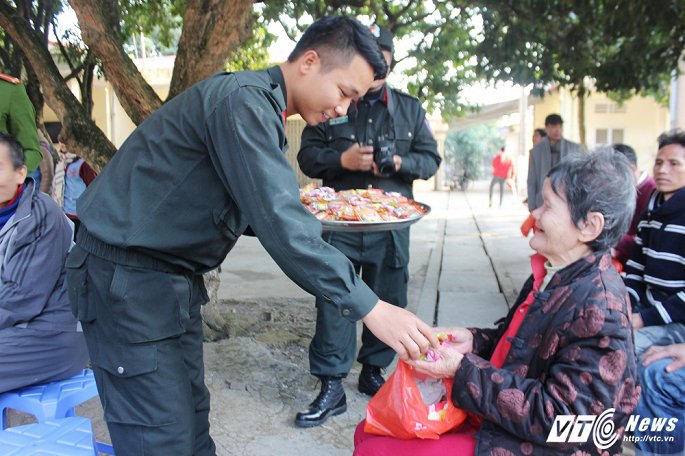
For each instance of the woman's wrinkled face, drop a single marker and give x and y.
(557, 238)
(669, 169)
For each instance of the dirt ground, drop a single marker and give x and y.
(259, 378)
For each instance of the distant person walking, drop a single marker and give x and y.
(545, 156)
(502, 173)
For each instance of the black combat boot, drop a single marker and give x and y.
(330, 402)
(370, 379)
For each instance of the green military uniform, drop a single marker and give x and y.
(381, 257)
(18, 118)
(168, 207)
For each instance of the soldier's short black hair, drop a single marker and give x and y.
(15, 149)
(626, 150)
(337, 39)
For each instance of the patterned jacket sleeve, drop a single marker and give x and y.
(587, 362)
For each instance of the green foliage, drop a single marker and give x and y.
(254, 53)
(624, 46)
(159, 23)
(160, 20)
(433, 41)
(466, 149)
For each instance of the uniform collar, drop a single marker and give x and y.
(383, 97)
(276, 75)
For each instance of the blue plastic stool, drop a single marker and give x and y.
(52, 400)
(69, 437)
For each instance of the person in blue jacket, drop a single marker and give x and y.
(40, 340)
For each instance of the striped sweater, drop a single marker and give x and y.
(655, 273)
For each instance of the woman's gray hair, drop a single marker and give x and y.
(599, 181)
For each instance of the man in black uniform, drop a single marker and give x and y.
(341, 152)
(171, 204)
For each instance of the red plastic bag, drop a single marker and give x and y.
(398, 410)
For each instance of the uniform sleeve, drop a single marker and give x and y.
(243, 136)
(423, 159)
(316, 158)
(22, 125)
(584, 377)
(34, 266)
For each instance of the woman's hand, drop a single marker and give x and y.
(445, 367)
(636, 321)
(461, 339)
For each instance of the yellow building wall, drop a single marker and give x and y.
(641, 120)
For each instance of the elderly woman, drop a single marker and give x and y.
(566, 346)
(40, 340)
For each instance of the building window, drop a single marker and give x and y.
(608, 136)
(609, 108)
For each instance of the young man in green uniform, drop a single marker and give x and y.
(344, 152)
(18, 118)
(189, 181)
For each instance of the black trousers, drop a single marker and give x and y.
(144, 334)
(501, 181)
(381, 258)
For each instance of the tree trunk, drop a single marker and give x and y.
(80, 133)
(212, 29)
(136, 96)
(581, 117)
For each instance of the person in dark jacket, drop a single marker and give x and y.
(565, 348)
(655, 273)
(40, 340)
(205, 168)
(343, 152)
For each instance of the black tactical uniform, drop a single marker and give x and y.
(383, 256)
(168, 207)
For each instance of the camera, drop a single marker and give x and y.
(383, 152)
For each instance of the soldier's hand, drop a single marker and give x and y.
(397, 159)
(401, 330)
(357, 158)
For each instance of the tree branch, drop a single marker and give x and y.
(136, 96)
(91, 143)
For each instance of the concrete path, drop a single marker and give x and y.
(467, 262)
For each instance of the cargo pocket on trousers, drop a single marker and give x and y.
(148, 305)
(129, 387)
(397, 256)
(77, 285)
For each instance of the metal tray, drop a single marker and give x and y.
(357, 227)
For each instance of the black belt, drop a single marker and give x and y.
(127, 257)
